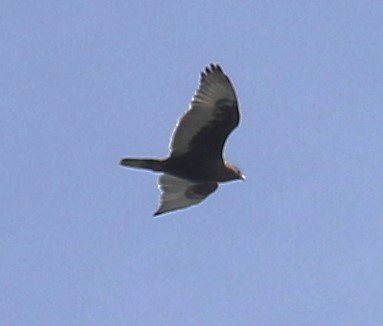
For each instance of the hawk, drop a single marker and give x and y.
(195, 164)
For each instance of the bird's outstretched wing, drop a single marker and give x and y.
(179, 193)
(212, 115)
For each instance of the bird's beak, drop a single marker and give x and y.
(242, 177)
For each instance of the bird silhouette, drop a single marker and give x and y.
(195, 164)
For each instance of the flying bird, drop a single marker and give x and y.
(195, 164)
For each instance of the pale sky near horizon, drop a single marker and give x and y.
(84, 83)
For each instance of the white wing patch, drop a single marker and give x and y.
(214, 86)
(179, 193)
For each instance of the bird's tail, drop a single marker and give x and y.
(143, 163)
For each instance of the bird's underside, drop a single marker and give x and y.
(195, 165)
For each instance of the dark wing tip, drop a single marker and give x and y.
(211, 68)
(157, 213)
(215, 66)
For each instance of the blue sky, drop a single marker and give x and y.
(85, 83)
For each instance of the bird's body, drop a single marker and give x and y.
(186, 166)
(195, 165)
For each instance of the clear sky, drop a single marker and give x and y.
(84, 83)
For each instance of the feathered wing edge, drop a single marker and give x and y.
(177, 193)
(215, 89)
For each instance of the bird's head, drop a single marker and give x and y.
(234, 172)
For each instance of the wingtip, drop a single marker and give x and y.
(215, 66)
(155, 214)
(211, 68)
